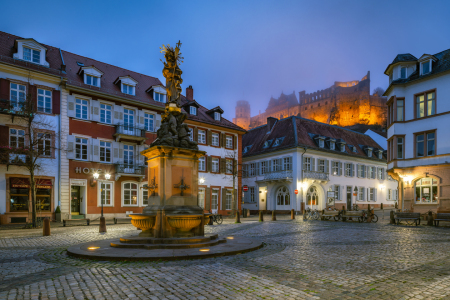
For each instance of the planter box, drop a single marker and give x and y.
(58, 217)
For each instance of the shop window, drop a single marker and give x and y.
(19, 198)
(43, 199)
(426, 191)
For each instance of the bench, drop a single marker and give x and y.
(124, 220)
(88, 221)
(328, 214)
(441, 217)
(359, 215)
(407, 216)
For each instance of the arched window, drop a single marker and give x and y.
(312, 196)
(283, 196)
(426, 190)
(130, 193)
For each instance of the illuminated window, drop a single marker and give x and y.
(426, 190)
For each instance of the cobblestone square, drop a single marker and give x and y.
(300, 260)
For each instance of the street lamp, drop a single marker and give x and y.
(107, 177)
(102, 192)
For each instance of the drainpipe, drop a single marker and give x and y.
(403, 194)
(301, 179)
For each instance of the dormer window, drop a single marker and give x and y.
(160, 97)
(127, 89)
(380, 154)
(91, 75)
(425, 66)
(215, 113)
(354, 149)
(246, 149)
(332, 145)
(127, 85)
(369, 151)
(277, 142)
(321, 143)
(92, 80)
(267, 144)
(193, 110)
(217, 116)
(403, 72)
(31, 55)
(342, 147)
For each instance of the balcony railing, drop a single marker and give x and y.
(316, 175)
(278, 175)
(130, 130)
(9, 107)
(130, 169)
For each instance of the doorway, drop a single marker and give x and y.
(349, 197)
(75, 200)
(312, 198)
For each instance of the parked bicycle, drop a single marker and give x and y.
(355, 207)
(373, 215)
(217, 218)
(312, 214)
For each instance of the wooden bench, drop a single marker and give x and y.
(358, 214)
(328, 214)
(88, 221)
(407, 216)
(444, 217)
(124, 220)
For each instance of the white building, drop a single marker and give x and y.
(418, 118)
(29, 69)
(299, 155)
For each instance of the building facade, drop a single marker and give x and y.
(294, 163)
(418, 113)
(32, 71)
(343, 104)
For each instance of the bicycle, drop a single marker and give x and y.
(217, 218)
(373, 215)
(355, 207)
(312, 214)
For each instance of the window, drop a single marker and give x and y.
(105, 193)
(312, 197)
(277, 143)
(44, 144)
(252, 194)
(92, 80)
(191, 134)
(321, 163)
(201, 197)
(216, 116)
(105, 151)
(245, 171)
(430, 144)
(160, 97)
(201, 164)
(43, 197)
(400, 110)
(229, 166)
(149, 121)
(81, 148)
(425, 108)
(402, 73)
(361, 169)
(31, 55)
(425, 144)
(44, 101)
(215, 199)
(335, 167)
(426, 190)
(420, 106)
(307, 164)
(193, 110)
(128, 158)
(276, 165)
(354, 149)
(348, 170)
(215, 165)
(381, 173)
(263, 167)
(252, 169)
(105, 113)
(400, 148)
(431, 104)
(332, 145)
(16, 138)
(127, 89)
(369, 152)
(81, 109)
(287, 163)
(215, 139)
(18, 95)
(390, 77)
(283, 197)
(229, 142)
(371, 172)
(321, 143)
(337, 192)
(228, 198)
(201, 137)
(371, 194)
(19, 199)
(426, 67)
(380, 154)
(130, 193)
(342, 147)
(361, 194)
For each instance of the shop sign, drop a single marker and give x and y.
(86, 171)
(78, 182)
(24, 183)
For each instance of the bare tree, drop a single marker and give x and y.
(379, 90)
(35, 141)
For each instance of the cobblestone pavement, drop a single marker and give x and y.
(300, 260)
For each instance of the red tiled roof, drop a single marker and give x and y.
(305, 129)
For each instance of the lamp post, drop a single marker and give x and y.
(102, 192)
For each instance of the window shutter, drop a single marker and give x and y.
(120, 152)
(95, 151)
(71, 106)
(56, 102)
(115, 152)
(157, 121)
(327, 166)
(209, 164)
(353, 169)
(208, 198)
(33, 94)
(195, 134)
(95, 110)
(258, 169)
(313, 164)
(223, 140)
(222, 162)
(4, 89)
(4, 135)
(118, 114)
(223, 198)
(304, 164)
(342, 193)
(235, 142)
(375, 195)
(340, 169)
(269, 163)
(208, 137)
(70, 147)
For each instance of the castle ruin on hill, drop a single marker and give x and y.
(343, 104)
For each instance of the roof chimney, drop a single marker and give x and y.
(190, 93)
(270, 122)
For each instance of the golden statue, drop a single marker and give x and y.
(172, 72)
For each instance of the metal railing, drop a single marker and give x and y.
(316, 175)
(283, 174)
(9, 107)
(130, 169)
(130, 130)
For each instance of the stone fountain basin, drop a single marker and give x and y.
(143, 221)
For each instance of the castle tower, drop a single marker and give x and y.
(242, 118)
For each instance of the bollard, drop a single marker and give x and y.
(274, 217)
(210, 221)
(238, 217)
(430, 219)
(396, 206)
(304, 215)
(343, 213)
(381, 206)
(46, 227)
(369, 214)
(292, 214)
(261, 217)
(102, 227)
(392, 218)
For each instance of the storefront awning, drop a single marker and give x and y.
(24, 183)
